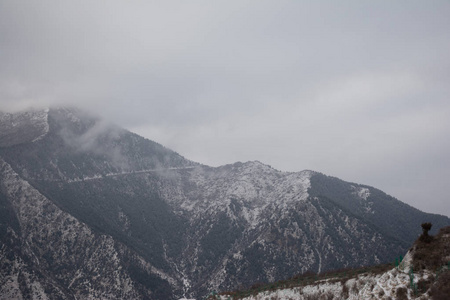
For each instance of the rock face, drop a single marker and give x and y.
(92, 211)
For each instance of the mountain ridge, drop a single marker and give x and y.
(179, 228)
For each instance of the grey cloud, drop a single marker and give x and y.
(99, 139)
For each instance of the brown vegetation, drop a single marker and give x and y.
(432, 253)
(441, 288)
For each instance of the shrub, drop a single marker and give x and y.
(430, 254)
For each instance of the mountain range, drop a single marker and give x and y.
(89, 210)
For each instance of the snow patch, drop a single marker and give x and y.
(365, 286)
(364, 193)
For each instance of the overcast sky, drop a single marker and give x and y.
(358, 90)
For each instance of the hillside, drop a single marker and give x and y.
(424, 273)
(91, 210)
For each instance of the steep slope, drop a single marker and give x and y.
(91, 258)
(374, 206)
(47, 253)
(252, 223)
(424, 273)
(171, 226)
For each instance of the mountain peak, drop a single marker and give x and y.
(75, 144)
(33, 124)
(256, 164)
(23, 127)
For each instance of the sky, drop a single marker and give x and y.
(358, 90)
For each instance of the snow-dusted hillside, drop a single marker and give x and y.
(257, 187)
(51, 252)
(400, 282)
(366, 286)
(23, 127)
(170, 227)
(249, 222)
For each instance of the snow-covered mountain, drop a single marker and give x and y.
(90, 211)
